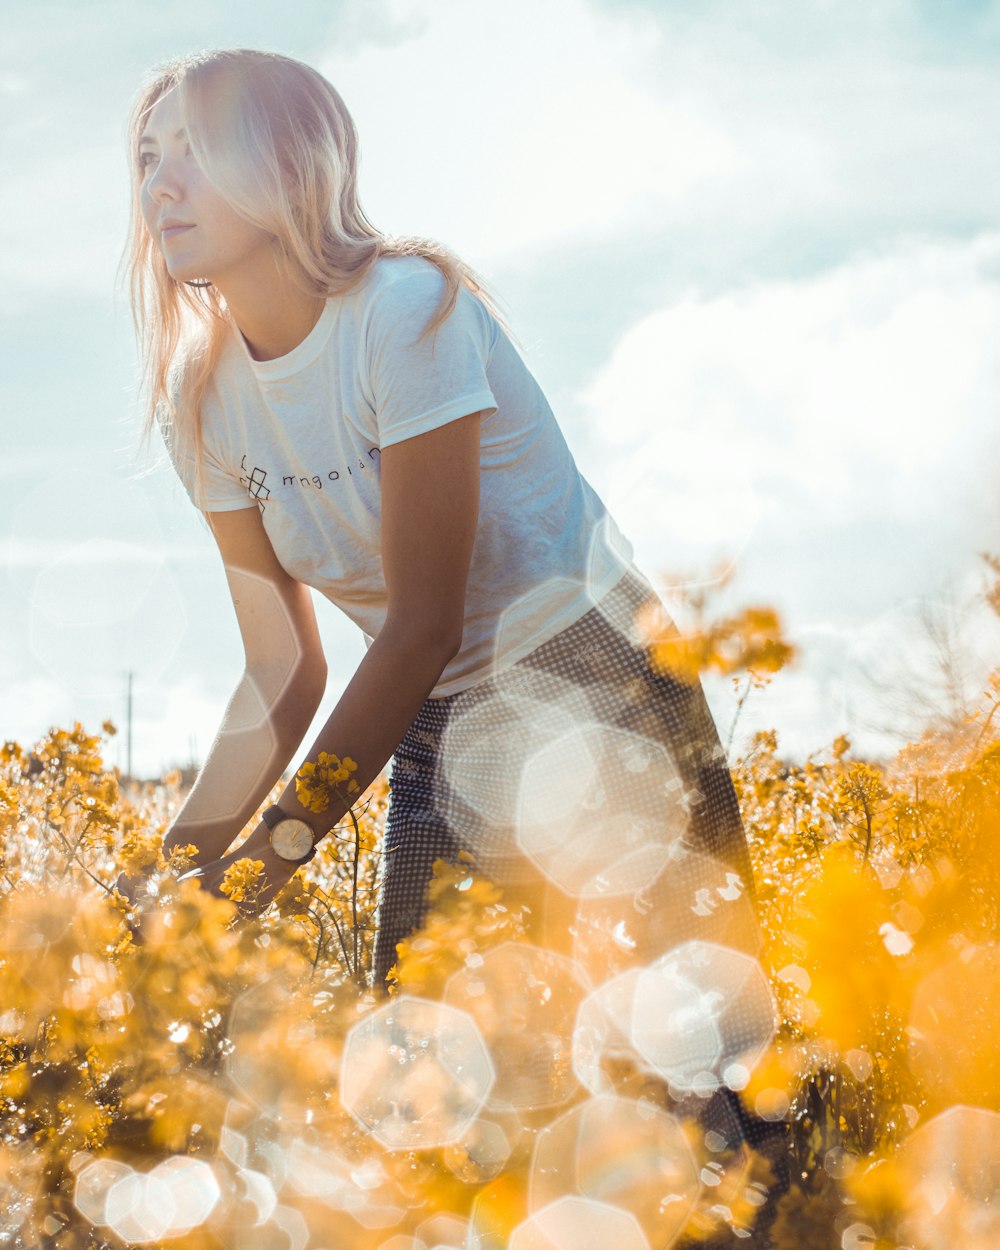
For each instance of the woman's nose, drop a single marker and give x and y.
(162, 183)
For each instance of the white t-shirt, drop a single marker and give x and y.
(300, 438)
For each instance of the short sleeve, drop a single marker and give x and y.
(416, 387)
(221, 489)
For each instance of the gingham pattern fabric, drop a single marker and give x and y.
(598, 665)
(600, 668)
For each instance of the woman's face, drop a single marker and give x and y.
(198, 232)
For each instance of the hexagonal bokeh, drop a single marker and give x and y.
(702, 1016)
(479, 1154)
(492, 1214)
(175, 1197)
(415, 1073)
(524, 1000)
(140, 1208)
(572, 1223)
(359, 1185)
(693, 896)
(959, 1001)
(257, 1190)
(610, 824)
(486, 748)
(541, 602)
(439, 1232)
(629, 1154)
(603, 1053)
(282, 1059)
(94, 1182)
(950, 1167)
(443, 1232)
(286, 1228)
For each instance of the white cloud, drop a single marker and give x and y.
(511, 130)
(607, 120)
(494, 140)
(722, 138)
(838, 438)
(867, 393)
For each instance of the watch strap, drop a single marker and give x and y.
(271, 815)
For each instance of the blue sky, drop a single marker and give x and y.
(752, 251)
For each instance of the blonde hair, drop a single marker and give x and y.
(275, 138)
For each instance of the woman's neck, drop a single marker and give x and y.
(272, 312)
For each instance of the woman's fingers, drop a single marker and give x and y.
(275, 876)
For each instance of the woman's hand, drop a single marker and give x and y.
(276, 873)
(135, 890)
(131, 887)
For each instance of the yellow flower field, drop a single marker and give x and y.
(200, 1077)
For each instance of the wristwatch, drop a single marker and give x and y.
(291, 838)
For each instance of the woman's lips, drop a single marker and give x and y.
(172, 230)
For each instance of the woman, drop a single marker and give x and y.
(349, 413)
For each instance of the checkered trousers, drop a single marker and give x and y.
(457, 772)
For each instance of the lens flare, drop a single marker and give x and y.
(579, 1224)
(630, 1154)
(692, 896)
(415, 1073)
(951, 1170)
(702, 1016)
(175, 1197)
(524, 1000)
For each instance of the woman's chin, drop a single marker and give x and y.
(184, 273)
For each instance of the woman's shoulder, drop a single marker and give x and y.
(389, 271)
(411, 286)
(407, 290)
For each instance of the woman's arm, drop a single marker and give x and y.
(430, 508)
(282, 685)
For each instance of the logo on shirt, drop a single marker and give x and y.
(330, 475)
(254, 482)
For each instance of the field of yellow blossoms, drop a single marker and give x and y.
(228, 1079)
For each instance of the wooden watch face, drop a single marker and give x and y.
(291, 839)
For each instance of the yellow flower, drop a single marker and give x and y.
(140, 855)
(317, 783)
(467, 913)
(100, 814)
(9, 752)
(241, 880)
(183, 857)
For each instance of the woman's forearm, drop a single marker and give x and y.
(262, 727)
(398, 672)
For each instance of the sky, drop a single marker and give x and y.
(751, 249)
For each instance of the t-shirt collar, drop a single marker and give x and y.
(300, 356)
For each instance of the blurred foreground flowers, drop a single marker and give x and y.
(230, 1082)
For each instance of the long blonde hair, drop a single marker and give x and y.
(275, 138)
